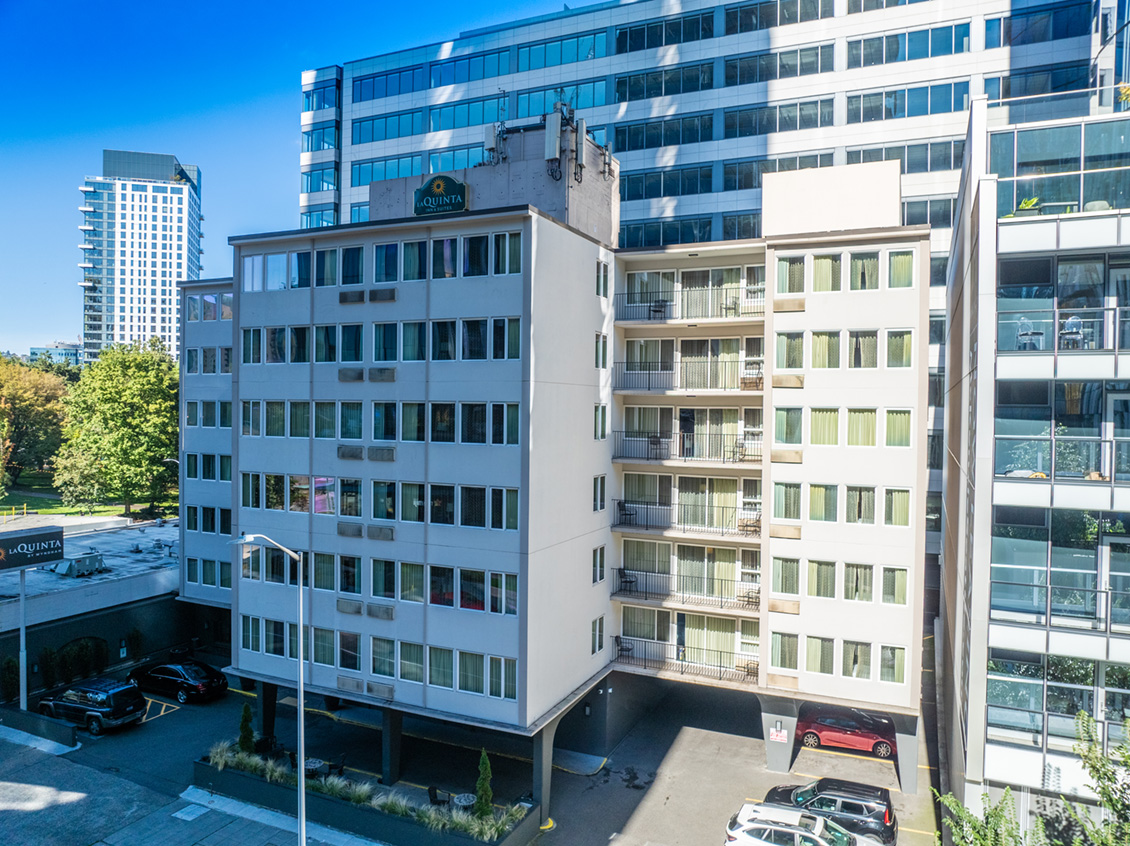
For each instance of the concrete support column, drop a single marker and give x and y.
(392, 722)
(268, 699)
(543, 768)
(778, 724)
(906, 750)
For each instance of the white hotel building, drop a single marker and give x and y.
(518, 460)
(140, 238)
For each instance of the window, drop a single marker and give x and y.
(251, 417)
(274, 424)
(442, 504)
(251, 490)
(857, 660)
(508, 252)
(383, 578)
(857, 582)
(471, 672)
(894, 586)
(324, 571)
(300, 419)
(897, 507)
(299, 345)
(351, 343)
(898, 428)
(474, 340)
(251, 633)
(787, 428)
(299, 493)
(252, 346)
(475, 258)
(901, 270)
(384, 342)
(822, 502)
(597, 644)
(441, 667)
(325, 268)
(472, 590)
(384, 657)
(413, 421)
(864, 271)
(898, 348)
(863, 349)
(504, 508)
(598, 565)
(892, 664)
(600, 359)
(349, 567)
(504, 594)
(790, 350)
(822, 579)
(443, 422)
(860, 505)
(861, 427)
(826, 273)
(325, 420)
(826, 350)
(445, 258)
(411, 582)
(473, 507)
(441, 586)
(786, 576)
(790, 275)
(503, 678)
(415, 341)
(786, 501)
(384, 500)
(349, 651)
(504, 423)
(600, 422)
(412, 662)
(825, 427)
(821, 654)
(351, 421)
(506, 338)
(443, 340)
(598, 490)
(602, 279)
(275, 640)
(784, 656)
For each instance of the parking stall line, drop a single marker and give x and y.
(166, 708)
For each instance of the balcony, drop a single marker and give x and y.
(86, 209)
(692, 304)
(687, 447)
(1064, 330)
(715, 520)
(1060, 459)
(687, 660)
(1061, 606)
(688, 590)
(696, 375)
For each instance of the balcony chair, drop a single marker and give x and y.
(622, 648)
(627, 581)
(657, 310)
(657, 448)
(625, 516)
(438, 797)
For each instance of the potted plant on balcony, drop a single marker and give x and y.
(1029, 207)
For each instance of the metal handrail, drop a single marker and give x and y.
(688, 589)
(691, 303)
(688, 446)
(695, 519)
(688, 660)
(712, 375)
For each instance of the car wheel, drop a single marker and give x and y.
(882, 749)
(811, 739)
(182, 697)
(94, 726)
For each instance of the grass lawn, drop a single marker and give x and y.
(33, 486)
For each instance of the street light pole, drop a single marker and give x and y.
(301, 759)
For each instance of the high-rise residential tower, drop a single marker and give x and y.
(141, 235)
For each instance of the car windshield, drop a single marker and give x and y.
(194, 673)
(802, 794)
(837, 836)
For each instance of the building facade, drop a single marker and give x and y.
(1036, 560)
(59, 351)
(140, 237)
(515, 460)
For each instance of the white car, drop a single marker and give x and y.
(758, 824)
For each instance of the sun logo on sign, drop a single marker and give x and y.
(439, 187)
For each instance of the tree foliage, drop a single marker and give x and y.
(34, 400)
(5, 446)
(1110, 779)
(484, 796)
(121, 427)
(996, 825)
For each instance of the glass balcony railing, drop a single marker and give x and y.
(687, 446)
(1090, 460)
(713, 375)
(693, 519)
(1060, 605)
(688, 589)
(1063, 330)
(692, 304)
(686, 660)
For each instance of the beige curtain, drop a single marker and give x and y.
(861, 427)
(719, 639)
(894, 586)
(724, 503)
(822, 502)
(860, 505)
(826, 349)
(825, 426)
(647, 556)
(863, 349)
(899, 349)
(901, 270)
(857, 659)
(892, 664)
(786, 575)
(786, 501)
(722, 573)
(898, 508)
(784, 651)
(826, 273)
(898, 428)
(822, 579)
(857, 582)
(864, 271)
(820, 652)
(790, 275)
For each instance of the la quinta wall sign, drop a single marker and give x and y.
(440, 195)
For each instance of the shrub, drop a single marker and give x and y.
(277, 772)
(249, 762)
(47, 666)
(219, 755)
(9, 678)
(246, 733)
(433, 818)
(393, 803)
(484, 796)
(84, 658)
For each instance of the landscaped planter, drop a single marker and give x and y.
(346, 816)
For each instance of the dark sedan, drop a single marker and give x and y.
(181, 681)
(860, 808)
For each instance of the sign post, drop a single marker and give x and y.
(21, 551)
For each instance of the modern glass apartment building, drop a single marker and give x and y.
(141, 236)
(698, 105)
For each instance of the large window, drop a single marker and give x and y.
(647, 35)
(750, 17)
(822, 501)
(786, 501)
(665, 82)
(941, 98)
(786, 576)
(764, 67)
(907, 46)
(784, 656)
(821, 654)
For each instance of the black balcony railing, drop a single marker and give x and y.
(686, 660)
(685, 375)
(691, 304)
(688, 589)
(687, 446)
(694, 519)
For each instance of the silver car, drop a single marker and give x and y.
(757, 824)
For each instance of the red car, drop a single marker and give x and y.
(850, 731)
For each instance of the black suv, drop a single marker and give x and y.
(860, 808)
(96, 704)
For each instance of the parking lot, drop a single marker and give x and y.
(675, 780)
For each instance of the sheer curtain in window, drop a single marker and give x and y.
(825, 426)
(638, 622)
(471, 672)
(719, 642)
(898, 507)
(899, 348)
(864, 271)
(351, 425)
(787, 425)
(820, 654)
(441, 667)
(723, 503)
(901, 270)
(860, 505)
(790, 350)
(786, 575)
(894, 586)
(857, 582)
(826, 273)
(822, 502)
(647, 556)
(786, 501)
(826, 349)
(784, 651)
(857, 659)
(692, 500)
(863, 349)
(892, 664)
(822, 579)
(790, 275)
(898, 428)
(861, 427)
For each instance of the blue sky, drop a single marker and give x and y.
(220, 89)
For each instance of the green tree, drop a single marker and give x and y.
(61, 368)
(1110, 779)
(484, 796)
(5, 446)
(996, 825)
(246, 733)
(78, 477)
(122, 425)
(34, 401)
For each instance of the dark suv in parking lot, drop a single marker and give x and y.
(97, 704)
(860, 808)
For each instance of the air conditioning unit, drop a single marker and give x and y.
(381, 612)
(381, 691)
(347, 683)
